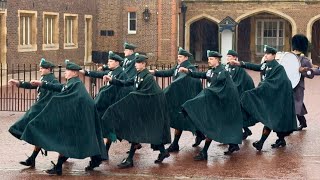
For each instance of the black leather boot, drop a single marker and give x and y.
(162, 156)
(258, 145)
(31, 161)
(232, 148)
(173, 148)
(57, 169)
(95, 162)
(126, 163)
(279, 143)
(201, 156)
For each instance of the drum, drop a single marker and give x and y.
(291, 64)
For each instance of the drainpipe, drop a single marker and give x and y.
(183, 11)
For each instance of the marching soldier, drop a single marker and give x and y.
(216, 110)
(271, 102)
(300, 47)
(178, 92)
(44, 95)
(145, 118)
(69, 124)
(129, 60)
(243, 82)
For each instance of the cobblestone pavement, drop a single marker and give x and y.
(300, 159)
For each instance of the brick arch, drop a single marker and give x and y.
(310, 24)
(271, 11)
(192, 20)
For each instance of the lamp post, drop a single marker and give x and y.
(146, 14)
(183, 11)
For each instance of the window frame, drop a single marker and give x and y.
(74, 30)
(32, 28)
(262, 37)
(54, 32)
(129, 23)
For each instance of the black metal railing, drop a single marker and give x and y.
(3, 4)
(19, 99)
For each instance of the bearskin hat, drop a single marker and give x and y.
(300, 42)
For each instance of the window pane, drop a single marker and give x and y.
(132, 15)
(132, 25)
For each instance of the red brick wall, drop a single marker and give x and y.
(80, 7)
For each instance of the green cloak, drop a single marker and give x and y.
(178, 92)
(243, 82)
(69, 124)
(216, 111)
(142, 116)
(110, 94)
(272, 101)
(43, 97)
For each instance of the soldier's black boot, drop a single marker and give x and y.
(265, 133)
(95, 162)
(203, 154)
(246, 133)
(279, 143)
(137, 146)
(232, 148)
(302, 122)
(200, 137)
(31, 161)
(163, 154)
(126, 163)
(57, 168)
(173, 147)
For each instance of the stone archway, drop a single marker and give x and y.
(313, 34)
(262, 27)
(204, 18)
(203, 36)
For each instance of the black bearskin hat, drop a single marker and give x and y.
(300, 42)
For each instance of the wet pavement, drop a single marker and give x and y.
(300, 159)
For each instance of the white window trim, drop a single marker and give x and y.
(54, 33)
(32, 43)
(74, 34)
(269, 20)
(131, 31)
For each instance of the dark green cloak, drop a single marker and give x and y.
(271, 102)
(178, 92)
(43, 97)
(69, 124)
(142, 116)
(216, 111)
(243, 82)
(109, 94)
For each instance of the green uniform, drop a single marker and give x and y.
(43, 97)
(68, 124)
(141, 116)
(243, 82)
(179, 91)
(216, 110)
(271, 102)
(129, 66)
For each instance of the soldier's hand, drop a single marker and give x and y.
(36, 83)
(303, 69)
(183, 69)
(234, 63)
(106, 78)
(13, 82)
(152, 71)
(100, 68)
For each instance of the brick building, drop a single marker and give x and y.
(85, 30)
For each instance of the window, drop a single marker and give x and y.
(27, 31)
(132, 22)
(70, 31)
(270, 32)
(50, 31)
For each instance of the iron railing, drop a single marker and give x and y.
(19, 99)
